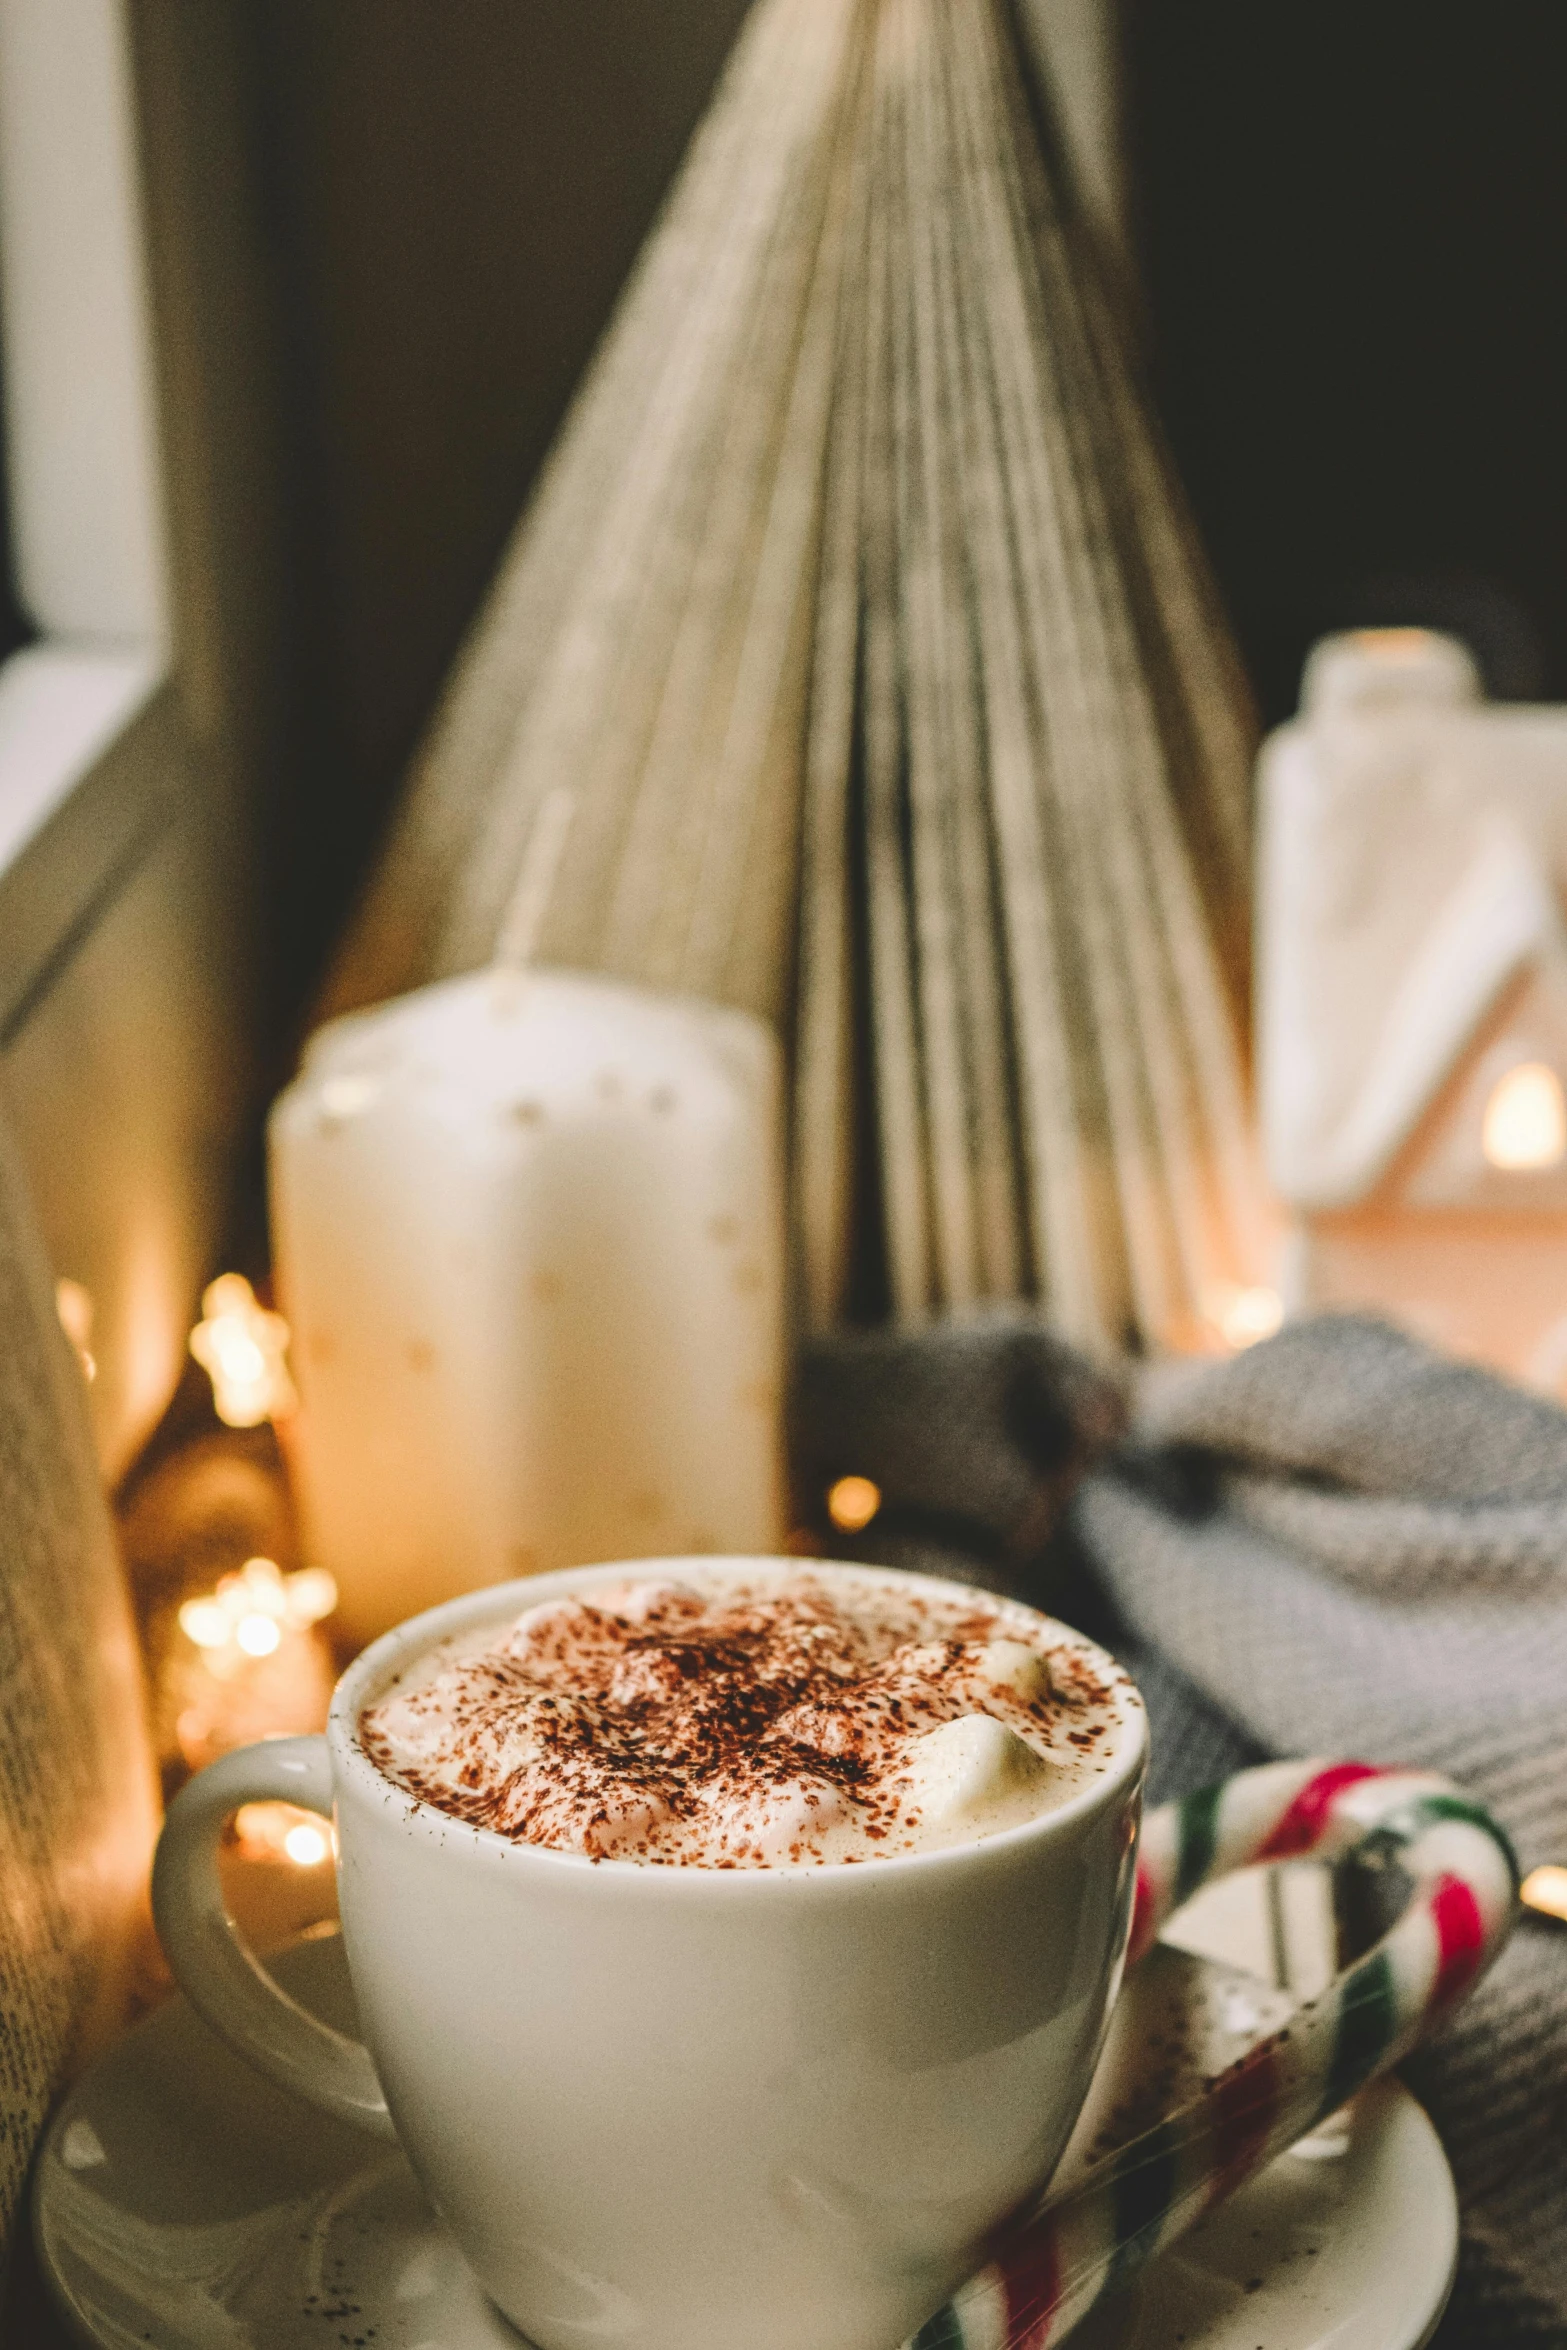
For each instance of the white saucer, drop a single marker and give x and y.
(181, 2201)
(1347, 2243)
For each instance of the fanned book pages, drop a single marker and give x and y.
(859, 616)
(77, 1797)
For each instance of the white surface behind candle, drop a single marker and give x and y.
(528, 1230)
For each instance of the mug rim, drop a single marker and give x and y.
(496, 1601)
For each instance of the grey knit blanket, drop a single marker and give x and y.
(1335, 1543)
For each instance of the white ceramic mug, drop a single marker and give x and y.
(675, 2107)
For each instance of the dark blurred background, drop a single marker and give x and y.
(452, 196)
(1351, 220)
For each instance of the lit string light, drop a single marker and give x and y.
(252, 1609)
(852, 1503)
(1545, 1889)
(1243, 1317)
(1525, 1123)
(249, 1661)
(243, 1347)
(281, 1831)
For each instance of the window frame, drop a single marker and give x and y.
(80, 801)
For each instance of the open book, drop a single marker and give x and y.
(77, 1792)
(859, 614)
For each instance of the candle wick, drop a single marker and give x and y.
(524, 914)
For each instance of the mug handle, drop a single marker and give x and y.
(1054, 2262)
(222, 1979)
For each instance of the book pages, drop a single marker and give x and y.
(860, 614)
(77, 1798)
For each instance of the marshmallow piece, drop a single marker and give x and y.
(508, 1755)
(1014, 1670)
(918, 1660)
(648, 1674)
(971, 1767)
(828, 1730)
(415, 1727)
(540, 1633)
(417, 1730)
(625, 1823)
(633, 1603)
(796, 1814)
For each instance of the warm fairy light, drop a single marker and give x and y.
(308, 1596)
(853, 1502)
(206, 1621)
(1243, 1317)
(253, 1608)
(1525, 1119)
(73, 1304)
(281, 1831)
(258, 1635)
(258, 1587)
(1545, 1889)
(242, 1346)
(255, 1667)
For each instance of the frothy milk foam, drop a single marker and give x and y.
(753, 1721)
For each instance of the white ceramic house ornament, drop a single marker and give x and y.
(1412, 1012)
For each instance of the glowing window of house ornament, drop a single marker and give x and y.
(1525, 1124)
(1396, 646)
(242, 1347)
(852, 1503)
(73, 1304)
(1243, 1317)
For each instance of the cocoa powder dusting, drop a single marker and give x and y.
(749, 1726)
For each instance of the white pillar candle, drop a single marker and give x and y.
(528, 1230)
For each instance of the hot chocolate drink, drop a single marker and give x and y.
(735, 1722)
(772, 1970)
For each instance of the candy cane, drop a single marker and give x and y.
(1053, 2264)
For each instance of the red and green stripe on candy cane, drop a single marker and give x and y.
(1055, 2263)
